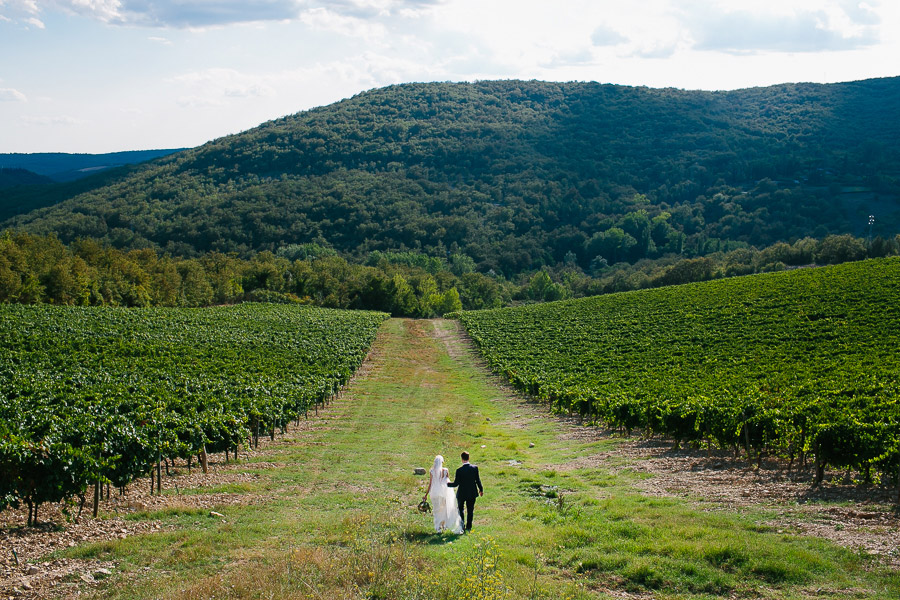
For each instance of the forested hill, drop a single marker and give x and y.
(60, 166)
(14, 177)
(520, 174)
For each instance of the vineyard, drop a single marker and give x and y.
(801, 364)
(94, 396)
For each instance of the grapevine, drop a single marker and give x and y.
(800, 364)
(101, 395)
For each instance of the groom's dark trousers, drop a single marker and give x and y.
(466, 506)
(469, 486)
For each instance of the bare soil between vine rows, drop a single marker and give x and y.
(26, 571)
(852, 515)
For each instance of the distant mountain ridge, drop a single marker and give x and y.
(519, 174)
(14, 177)
(61, 166)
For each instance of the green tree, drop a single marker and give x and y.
(11, 269)
(68, 281)
(404, 302)
(460, 264)
(263, 273)
(195, 289)
(613, 244)
(637, 225)
(686, 271)
(478, 291)
(426, 291)
(447, 302)
(836, 249)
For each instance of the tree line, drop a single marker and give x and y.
(42, 269)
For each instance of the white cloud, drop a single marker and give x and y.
(324, 19)
(606, 36)
(11, 95)
(104, 10)
(663, 50)
(788, 26)
(21, 11)
(216, 77)
(862, 13)
(576, 58)
(54, 121)
(248, 91)
(158, 13)
(195, 13)
(214, 87)
(198, 102)
(204, 13)
(27, 7)
(160, 40)
(368, 9)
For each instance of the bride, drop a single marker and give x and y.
(443, 500)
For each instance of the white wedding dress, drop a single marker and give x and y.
(443, 500)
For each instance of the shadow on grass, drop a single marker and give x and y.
(430, 538)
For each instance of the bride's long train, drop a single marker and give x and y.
(443, 502)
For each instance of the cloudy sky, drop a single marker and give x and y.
(109, 75)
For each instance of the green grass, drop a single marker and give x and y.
(340, 521)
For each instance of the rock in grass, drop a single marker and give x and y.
(419, 471)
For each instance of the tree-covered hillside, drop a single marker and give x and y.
(10, 178)
(22, 197)
(518, 175)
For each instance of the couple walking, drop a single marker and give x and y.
(448, 508)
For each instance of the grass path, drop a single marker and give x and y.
(340, 519)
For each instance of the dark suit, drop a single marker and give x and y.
(468, 485)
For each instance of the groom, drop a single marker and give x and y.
(469, 484)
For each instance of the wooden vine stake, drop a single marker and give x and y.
(98, 489)
(96, 498)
